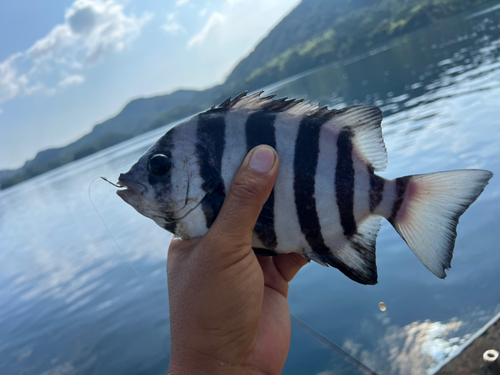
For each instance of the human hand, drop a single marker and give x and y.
(228, 307)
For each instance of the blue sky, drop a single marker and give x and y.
(66, 65)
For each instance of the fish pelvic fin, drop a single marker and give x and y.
(426, 210)
(354, 256)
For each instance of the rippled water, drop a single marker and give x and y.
(71, 304)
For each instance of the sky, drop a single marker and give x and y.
(67, 65)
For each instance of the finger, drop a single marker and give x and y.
(180, 248)
(178, 245)
(249, 191)
(289, 264)
(272, 277)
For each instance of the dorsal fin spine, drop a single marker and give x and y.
(362, 121)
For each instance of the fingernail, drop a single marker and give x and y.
(262, 159)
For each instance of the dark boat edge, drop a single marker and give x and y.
(469, 358)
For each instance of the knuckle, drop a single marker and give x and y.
(246, 188)
(175, 244)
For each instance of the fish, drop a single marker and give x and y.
(327, 203)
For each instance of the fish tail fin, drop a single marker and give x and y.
(426, 209)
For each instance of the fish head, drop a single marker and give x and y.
(164, 184)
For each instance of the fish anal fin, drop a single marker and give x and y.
(316, 258)
(355, 256)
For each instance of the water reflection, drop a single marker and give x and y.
(70, 304)
(409, 349)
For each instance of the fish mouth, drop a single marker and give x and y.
(129, 186)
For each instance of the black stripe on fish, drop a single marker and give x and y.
(305, 163)
(259, 129)
(344, 183)
(166, 144)
(210, 146)
(264, 252)
(401, 185)
(376, 189)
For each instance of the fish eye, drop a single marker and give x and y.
(159, 164)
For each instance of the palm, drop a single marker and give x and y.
(273, 337)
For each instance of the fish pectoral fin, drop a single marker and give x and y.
(355, 256)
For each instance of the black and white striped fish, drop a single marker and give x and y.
(327, 203)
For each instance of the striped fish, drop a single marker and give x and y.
(327, 203)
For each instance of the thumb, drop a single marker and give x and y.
(250, 189)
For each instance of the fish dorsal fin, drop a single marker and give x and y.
(267, 103)
(362, 122)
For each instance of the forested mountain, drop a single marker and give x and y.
(315, 33)
(307, 20)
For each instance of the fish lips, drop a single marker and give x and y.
(132, 186)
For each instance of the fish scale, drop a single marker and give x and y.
(327, 203)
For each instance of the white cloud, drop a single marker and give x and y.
(59, 38)
(93, 29)
(232, 31)
(10, 86)
(72, 80)
(215, 22)
(13, 83)
(202, 12)
(171, 26)
(180, 3)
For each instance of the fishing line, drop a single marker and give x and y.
(360, 365)
(107, 228)
(123, 253)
